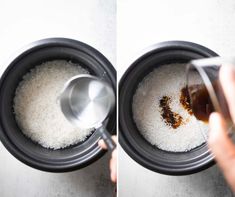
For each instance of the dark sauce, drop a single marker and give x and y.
(171, 118)
(196, 101)
(202, 105)
(185, 100)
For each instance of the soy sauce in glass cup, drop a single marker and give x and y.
(204, 89)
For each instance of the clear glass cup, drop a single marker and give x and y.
(205, 92)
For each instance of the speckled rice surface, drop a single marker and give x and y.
(165, 80)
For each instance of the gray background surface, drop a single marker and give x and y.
(22, 22)
(140, 24)
(143, 23)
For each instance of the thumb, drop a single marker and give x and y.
(222, 147)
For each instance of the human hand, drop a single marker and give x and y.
(221, 145)
(113, 160)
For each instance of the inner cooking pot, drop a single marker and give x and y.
(33, 154)
(149, 156)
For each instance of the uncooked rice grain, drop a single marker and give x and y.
(36, 106)
(166, 80)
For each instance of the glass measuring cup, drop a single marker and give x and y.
(204, 88)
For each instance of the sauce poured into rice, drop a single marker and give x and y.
(161, 110)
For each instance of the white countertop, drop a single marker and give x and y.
(24, 21)
(143, 23)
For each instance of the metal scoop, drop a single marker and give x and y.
(86, 102)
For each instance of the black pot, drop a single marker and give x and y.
(32, 154)
(130, 138)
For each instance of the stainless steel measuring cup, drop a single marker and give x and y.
(86, 101)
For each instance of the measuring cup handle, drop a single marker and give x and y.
(107, 139)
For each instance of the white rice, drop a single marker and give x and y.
(37, 109)
(167, 80)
